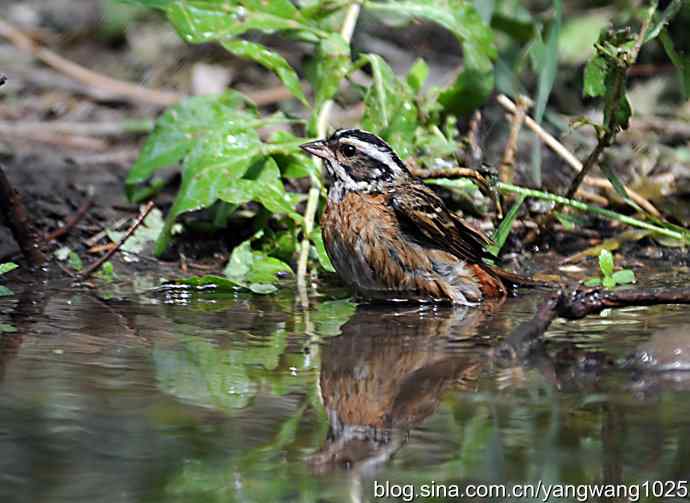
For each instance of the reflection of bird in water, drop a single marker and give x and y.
(387, 373)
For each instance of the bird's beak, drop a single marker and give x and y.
(318, 148)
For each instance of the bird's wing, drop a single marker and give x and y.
(424, 214)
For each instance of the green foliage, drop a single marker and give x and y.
(228, 166)
(610, 278)
(6, 267)
(215, 138)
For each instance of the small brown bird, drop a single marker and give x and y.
(391, 237)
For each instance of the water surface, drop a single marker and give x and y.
(236, 397)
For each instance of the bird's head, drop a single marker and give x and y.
(358, 160)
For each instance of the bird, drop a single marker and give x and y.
(392, 238)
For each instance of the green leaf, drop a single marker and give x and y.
(6, 267)
(661, 20)
(147, 232)
(6, 328)
(181, 126)
(317, 238)
(460, 17)
(608, 282)
(271, 60)
(505, 227)
(606, 263)
(592, 282)
(333, 62)
(106, 272)
(5, 292)
(595, 77)
(219, 282)
(680, 61)
(624, 277)
(199, 21)
(417, 75)
(254, 269)
(74, 261)
(579, 34)
(389, 107)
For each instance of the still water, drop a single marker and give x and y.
(160, 398)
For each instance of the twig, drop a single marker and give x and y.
(578, 303)
(97, 265)
(108, 87)
(76, 128)
(505, 170)
(611, 215)
(63, 140)
(71, 222)
(346, 31)
(18, 220)
(558, 148)
(611, 127)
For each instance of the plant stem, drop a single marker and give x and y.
(579, 205)
(612, 126)
(346, 31)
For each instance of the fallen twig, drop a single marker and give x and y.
(108, 87)
(505, 170)
(72, 221)
(99, 263)
(577, 303)
(558, 148)
(18, 220)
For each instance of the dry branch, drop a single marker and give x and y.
(99, 263)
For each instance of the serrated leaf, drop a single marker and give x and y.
(271, 60)
(6, 267)
(606, 263)
(250, 268)
(202, 21)
(624, 277)
(181, 126)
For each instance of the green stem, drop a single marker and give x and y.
(579, 205)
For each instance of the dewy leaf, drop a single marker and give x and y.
(199, 21)
(606, 262)
(389, 107)
(624, 277)
(181, 126)
(254, 269)
(271, 60)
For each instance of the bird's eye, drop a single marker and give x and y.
(348, 150)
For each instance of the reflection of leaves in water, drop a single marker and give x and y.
(332, 315)
(201, 373)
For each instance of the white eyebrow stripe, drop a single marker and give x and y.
(374, 152)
